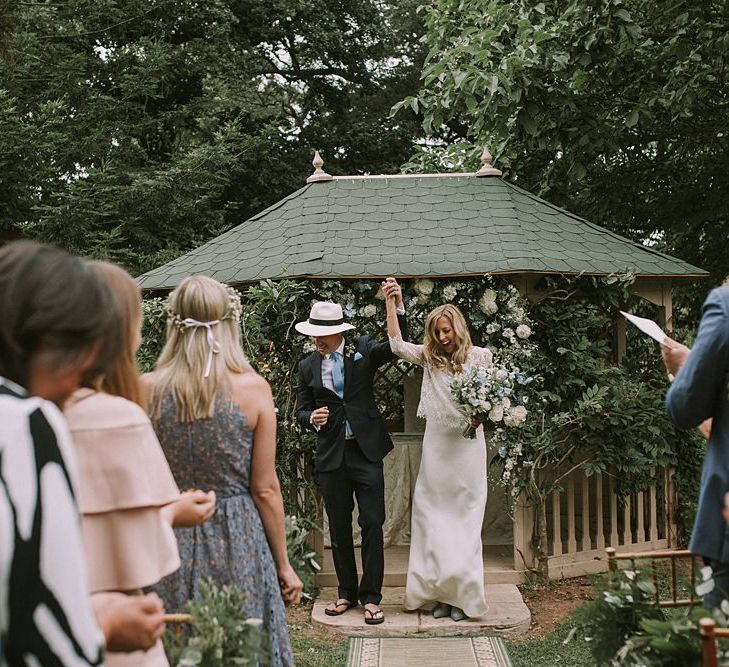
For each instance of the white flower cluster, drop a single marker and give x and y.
(491, 393)
(370, 310)
(423, 289)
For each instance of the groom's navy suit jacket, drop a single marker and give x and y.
(358, 405)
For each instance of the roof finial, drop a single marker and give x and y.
(319, 174)
(487, 169)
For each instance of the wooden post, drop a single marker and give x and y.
(627, 530)
(706, 628)
(640, 518)
(600, 538)
(586, 541)
(556, 524)
(571, 533)
(612, 561)
(614, 537)
(523, 535)
(653, 509)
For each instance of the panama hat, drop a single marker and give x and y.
(326, 318)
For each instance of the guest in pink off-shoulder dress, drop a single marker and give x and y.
(127, 494)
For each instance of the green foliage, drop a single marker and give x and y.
(617, 613)
(137, 130)
(301, 556)
(222, 634)
(614, 109)
(625, 626)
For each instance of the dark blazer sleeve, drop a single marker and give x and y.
(702, 381)
(304, 400)
(381, 352)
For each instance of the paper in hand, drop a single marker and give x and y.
(646, 326)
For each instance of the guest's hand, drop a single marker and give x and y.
(129, 622)
(193, 508)
(291, 585)
(392, 291)
(674, 356)
(320, 416)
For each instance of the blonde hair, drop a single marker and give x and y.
(433, 351)
(121, 377)
(182, 363)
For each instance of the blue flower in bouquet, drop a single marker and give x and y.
(487, 394)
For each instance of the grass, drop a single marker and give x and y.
(550, 650)
(312, 646)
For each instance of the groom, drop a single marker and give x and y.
(335, 398)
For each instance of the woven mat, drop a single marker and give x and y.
(430, 652)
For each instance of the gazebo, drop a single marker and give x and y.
(447, 226)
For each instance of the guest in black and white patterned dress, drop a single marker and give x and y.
(55, 317)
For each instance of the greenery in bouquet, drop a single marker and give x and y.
(490, 394)
(222, 634)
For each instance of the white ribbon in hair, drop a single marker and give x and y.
(214, 348)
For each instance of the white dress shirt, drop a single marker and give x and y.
(327, 366)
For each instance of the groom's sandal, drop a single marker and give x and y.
(335, 608)
(373, 616)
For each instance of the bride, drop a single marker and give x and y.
(445, 571)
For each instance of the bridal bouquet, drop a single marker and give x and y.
(490, 393)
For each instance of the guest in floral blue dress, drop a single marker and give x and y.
(215, 419)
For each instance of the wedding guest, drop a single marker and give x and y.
(336, 399)
(57, 322)
(445, 571)
(127, 494)
(215, 419)
(698, 393)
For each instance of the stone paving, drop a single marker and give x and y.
(508, 615)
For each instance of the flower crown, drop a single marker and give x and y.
(232, 312)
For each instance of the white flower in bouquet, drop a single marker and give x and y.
(489, 295)
(450, 292)
(487, 306)
(523, 331)
(501, 374)
(493, 328)
(370, 310)
(519, 414)
(496, 414)
(506, 402)
(508, 333)
(308, 347)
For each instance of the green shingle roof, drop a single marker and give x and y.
(443, 225)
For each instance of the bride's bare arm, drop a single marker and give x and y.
(407, 351)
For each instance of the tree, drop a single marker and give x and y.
(137, 130)
(614, 109)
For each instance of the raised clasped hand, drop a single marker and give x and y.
(392, 290)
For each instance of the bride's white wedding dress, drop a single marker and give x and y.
(446, 558)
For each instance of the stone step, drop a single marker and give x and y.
(507, 616)
(498, 562)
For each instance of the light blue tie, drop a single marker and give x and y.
(338, 383)
(338, 374)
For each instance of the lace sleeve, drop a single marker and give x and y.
(482, 356)
(407, 351)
